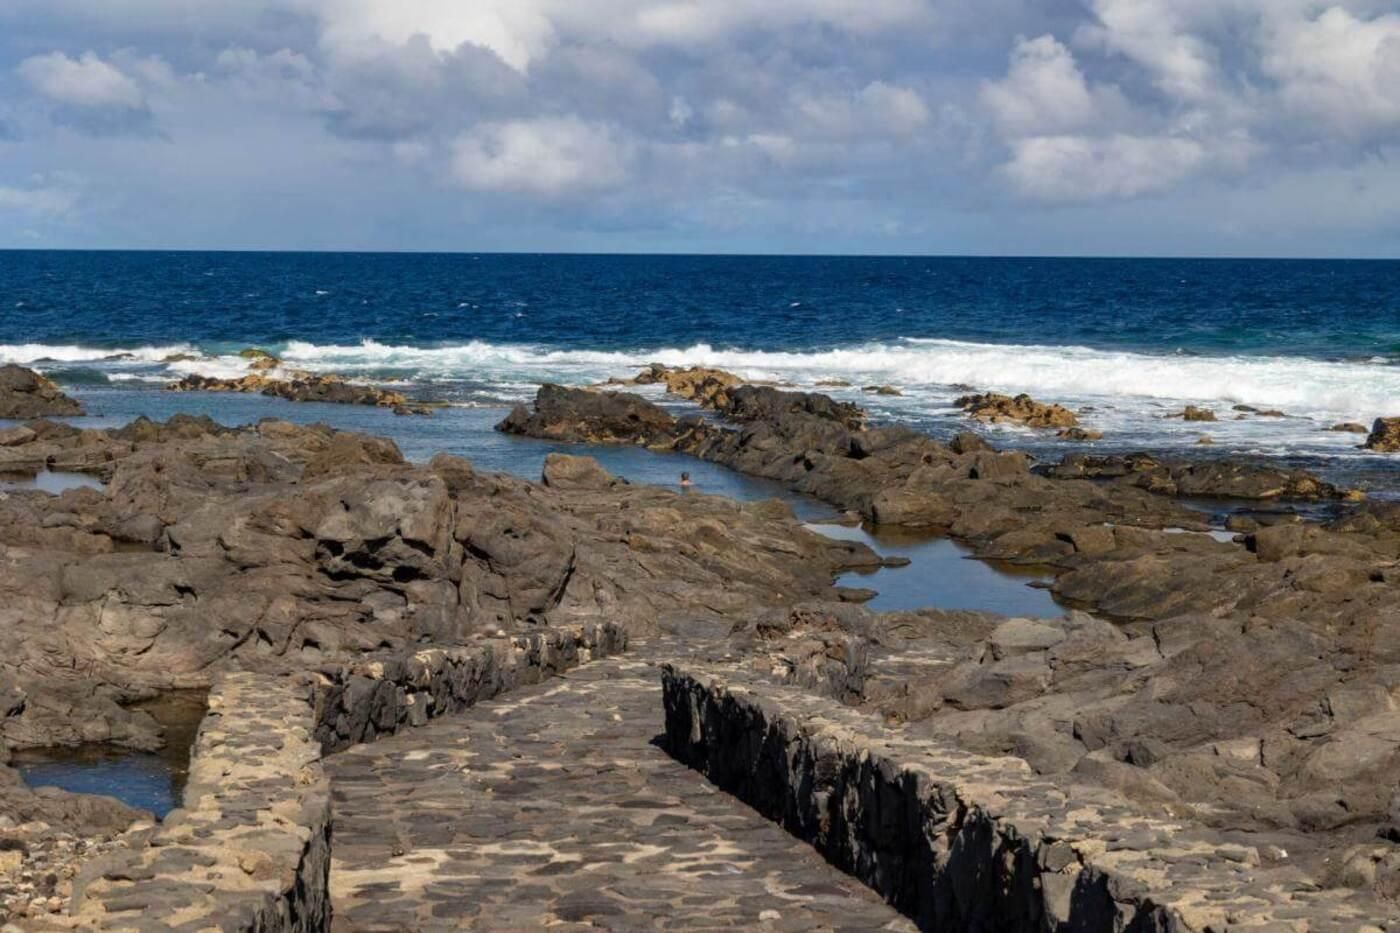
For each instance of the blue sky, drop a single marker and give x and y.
(1142, 127)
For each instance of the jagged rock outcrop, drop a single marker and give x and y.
(26, 394)
(1022, 409)
(1384, 436)
(297, 386)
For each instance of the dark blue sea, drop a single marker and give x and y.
(1127, 342)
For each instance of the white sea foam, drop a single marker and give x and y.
(1121, 385)
(27, 353)
(1316, 388)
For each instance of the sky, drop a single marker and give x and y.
(1005, 127)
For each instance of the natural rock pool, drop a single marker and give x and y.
(152, 781)
(943, 574)
(54, 482)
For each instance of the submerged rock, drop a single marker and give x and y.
(26, 394)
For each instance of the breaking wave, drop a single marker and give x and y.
(924, 369)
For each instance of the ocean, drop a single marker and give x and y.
(1127, 342)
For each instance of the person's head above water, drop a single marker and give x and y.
(685, 479)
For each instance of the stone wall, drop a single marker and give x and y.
(360, 701)
(250, 850)
(958, 841)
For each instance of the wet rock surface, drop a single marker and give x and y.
(1021, 409)
(26, 394)
(552, 807)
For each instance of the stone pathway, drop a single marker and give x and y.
(550, 807)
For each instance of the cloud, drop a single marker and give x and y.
(548, 157)
(878, 109)
(670, 115)
(1044, 91)
(1079, 168)
(87, 82)
(1153, 34)
(1339, 69)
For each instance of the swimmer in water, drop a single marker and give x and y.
(685, 481)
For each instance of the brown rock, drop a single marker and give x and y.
(1192, 413)
(1385, 435)
(564, 472)
(26, 394)
(1022, 409)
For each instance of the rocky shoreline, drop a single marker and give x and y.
(1251, 683)
(1247, 684)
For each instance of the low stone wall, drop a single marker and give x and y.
(250, 850)
(958, 841)
(360, 701)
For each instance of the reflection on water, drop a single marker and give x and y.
(53, 482)
(151, 781)
(942, 574)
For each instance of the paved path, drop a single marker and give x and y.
(550, 807)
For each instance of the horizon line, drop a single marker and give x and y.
(695, 255)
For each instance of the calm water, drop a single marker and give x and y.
(943, 573)
(1127, 342)
(153, 781)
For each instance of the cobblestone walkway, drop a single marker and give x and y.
(550, 807)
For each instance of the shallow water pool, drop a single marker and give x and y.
(153, 781)
(943, 574)
(54, 482)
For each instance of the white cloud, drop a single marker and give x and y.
(521, 31)
(1338, 68)
(86, 82)
(1155, 35)
(1080, 168)
(516, 30)
(1044, 91)
(548, 157)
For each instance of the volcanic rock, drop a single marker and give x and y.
(26, 394)
(299, 387)
(1022, 409)
(1385, 435)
